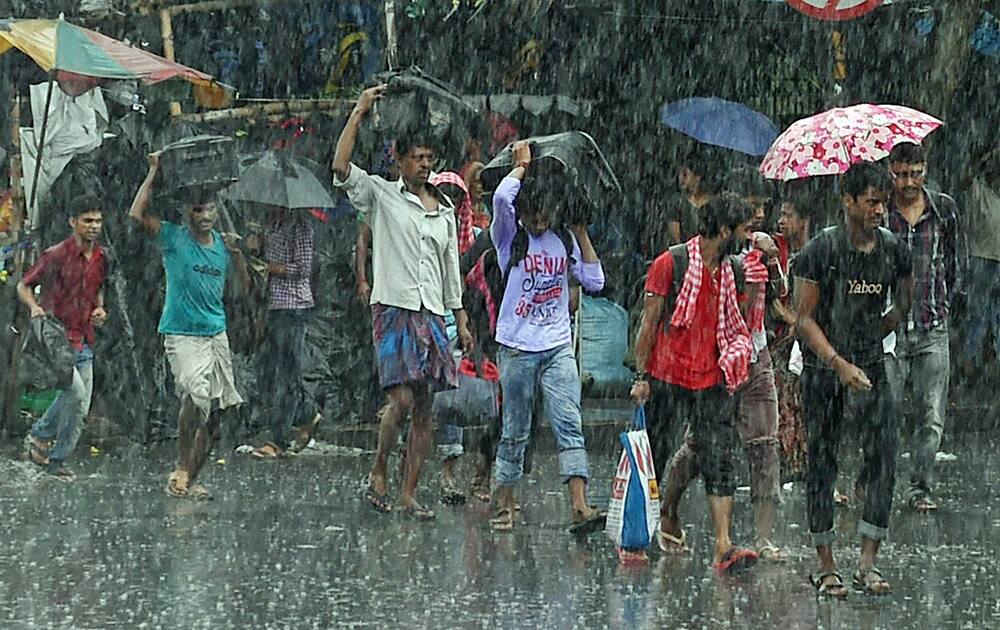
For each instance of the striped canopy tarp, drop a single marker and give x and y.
(68, 48)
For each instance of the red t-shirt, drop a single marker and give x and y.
(70, 286)
(687, 357)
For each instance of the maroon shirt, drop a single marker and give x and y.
(70, 286)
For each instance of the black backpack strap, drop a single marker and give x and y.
(680, 255)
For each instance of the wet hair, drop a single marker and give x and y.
(865, 175)
(411, 140)
(804, 197)
(747, 182)
(723, 211)
(907, 153)
(702, 166)
(85, 203)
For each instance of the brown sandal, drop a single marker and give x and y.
(503, 520)
(270, 450)
(175, 488)
(306, 433)
(36, 451)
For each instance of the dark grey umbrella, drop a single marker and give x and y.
(278, 179)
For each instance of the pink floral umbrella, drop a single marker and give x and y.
(828, 143)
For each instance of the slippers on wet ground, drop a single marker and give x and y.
(678, 544)
(769, 552)
(584, 526)
(922, 503)
(175, 488)
(829, 588)
(416, 511)
(870, 582)
(503, 520)
(269, 450)
(36, 451)
(63, 474)
(736, 559)
(380, 502)
(306, 433)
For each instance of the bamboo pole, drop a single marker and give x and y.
(167, 32)
(41, 143)
(278, 108)
(9, 409)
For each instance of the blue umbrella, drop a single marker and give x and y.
(721, 123)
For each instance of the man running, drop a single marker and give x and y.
(71, 275)
(843, 279)
(197, 260)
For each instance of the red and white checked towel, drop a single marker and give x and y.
(731, 333)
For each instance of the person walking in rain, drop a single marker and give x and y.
(927, 222)
(416, 280)
(843, 279)
(288, 251)
(71, 275)
(197, 260)
(692, 353)
(533, 332)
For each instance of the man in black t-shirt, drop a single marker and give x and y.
(845, 279)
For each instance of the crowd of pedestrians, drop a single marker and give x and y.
(771, 338)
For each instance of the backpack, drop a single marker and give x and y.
(680, 255)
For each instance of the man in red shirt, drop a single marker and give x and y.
(688, 363)
(71, 275)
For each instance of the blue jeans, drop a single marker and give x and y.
(922, 363)
(552, 373)
(63, 420)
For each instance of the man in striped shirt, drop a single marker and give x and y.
(928, 223)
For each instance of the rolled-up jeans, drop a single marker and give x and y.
(823, 401)
(922, 363)
(553, 375)
(63, 420)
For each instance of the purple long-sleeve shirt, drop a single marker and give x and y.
(534, 312)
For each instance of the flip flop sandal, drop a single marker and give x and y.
(502, 521)
(418, 512)
(269, 450)
(479, 490)
(589, 525)
(306, 433)
(922, 503)
(863, 581)
(36, 451)
(770, 553)
(450, 495)
(173, 489)
(736, 559)
(63, 474)
(199, 492)
(380, 502)
(826, 589)
(679, 544)
(631, 556)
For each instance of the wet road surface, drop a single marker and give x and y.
(289, 544)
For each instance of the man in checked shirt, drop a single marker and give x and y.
(288, 251)
(928, 223)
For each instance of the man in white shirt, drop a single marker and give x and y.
(416, 280)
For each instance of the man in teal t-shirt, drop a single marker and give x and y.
(196, 259)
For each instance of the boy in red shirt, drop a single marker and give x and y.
(692, 352)
(71, 275)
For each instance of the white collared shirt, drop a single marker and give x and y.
(414, 250)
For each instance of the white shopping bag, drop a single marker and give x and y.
(634, 510)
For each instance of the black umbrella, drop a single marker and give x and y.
(277, 179)
(416, 102)
(573, 155)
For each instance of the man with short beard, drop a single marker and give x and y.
(689, 364)
(72, 275)
(196, 259)
(927, 221)
(843, 279)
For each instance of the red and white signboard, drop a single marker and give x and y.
(834, 9)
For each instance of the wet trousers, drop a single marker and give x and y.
(757, 426)
(63, 420)
(282, 385)
(922, 364)
(553, 375)
(708, 414)
(823, 402)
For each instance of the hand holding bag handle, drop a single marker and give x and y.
(639, 418)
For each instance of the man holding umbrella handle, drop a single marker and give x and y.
(416, 279)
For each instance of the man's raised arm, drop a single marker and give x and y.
(140, 204)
